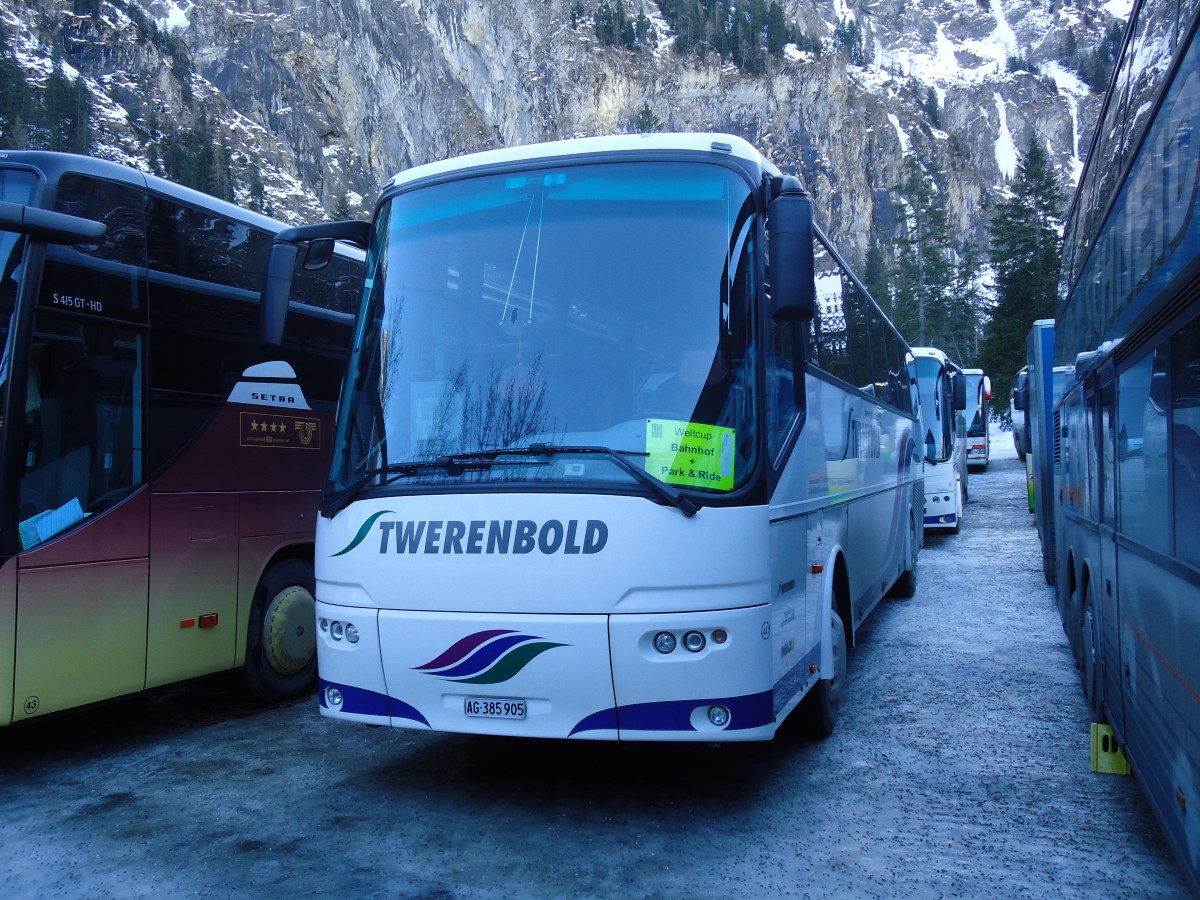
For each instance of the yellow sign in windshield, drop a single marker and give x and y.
(690, 453)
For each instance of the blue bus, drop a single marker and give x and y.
(1126, 427)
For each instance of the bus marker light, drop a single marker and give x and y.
(208, 620)
(186, 623)
(324, 623)
(664, 642)
(718, 715)
(333, 697)
(817, 568)
(694, 641)
(720, 635)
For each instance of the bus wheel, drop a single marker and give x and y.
(281, 641)
(905, 586)
(818, 711)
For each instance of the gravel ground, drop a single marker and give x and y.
(960, 768)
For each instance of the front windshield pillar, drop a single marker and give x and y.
(14, 404)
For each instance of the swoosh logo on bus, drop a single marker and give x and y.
(362, 532)
(487, 657)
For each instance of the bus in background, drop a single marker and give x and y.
(1016, 414)
(1044, 385)
(634, 484)
(161, 465)
(943, 397)
(979, 413)
(1127, 426)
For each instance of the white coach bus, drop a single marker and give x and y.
(978, 418)
(943, 397)
(598, 474)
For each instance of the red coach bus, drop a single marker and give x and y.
(160, 465)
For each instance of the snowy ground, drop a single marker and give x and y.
(960, 768)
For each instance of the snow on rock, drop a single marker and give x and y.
(1006, 150)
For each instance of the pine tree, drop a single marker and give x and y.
(922, 287)
(1026, 251)
(16, 101)
(778, 32)
(647, 122)
(66, 109)
(875, 275)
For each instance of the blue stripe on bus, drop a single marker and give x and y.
(362, 702)
(751, 711)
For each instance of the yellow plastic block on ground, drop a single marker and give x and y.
(1106, 752)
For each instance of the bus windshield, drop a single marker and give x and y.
(977, 408)
(601, 314)
(935, 408)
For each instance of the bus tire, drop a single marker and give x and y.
(281, 639)
(817, 713)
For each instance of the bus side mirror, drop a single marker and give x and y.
(959, 382)
(790, 225)
(318, 255)
(277, 288)
(281, 267)
(1018, 399)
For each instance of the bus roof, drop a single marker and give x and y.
(54, 164)
(706, 142)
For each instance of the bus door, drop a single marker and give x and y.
(1104, 598)
(82, 512)
(82, 573)
(1099, 614)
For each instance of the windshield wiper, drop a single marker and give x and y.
(453, 464)
(482, 460)
(680, 501)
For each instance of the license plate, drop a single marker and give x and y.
(494, 707)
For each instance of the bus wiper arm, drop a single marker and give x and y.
(683, 503)
(455, 464)
(339, 500)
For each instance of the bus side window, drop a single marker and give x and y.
(1142, 453)
(83, 451)
(1185, 440)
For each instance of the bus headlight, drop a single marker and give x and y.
(694, 641)
(333, 699)
(337, 630)
(351, 633)
(664, 642)
(718, 715)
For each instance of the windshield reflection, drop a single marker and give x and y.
(603, 305)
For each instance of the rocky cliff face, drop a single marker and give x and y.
(320, 101)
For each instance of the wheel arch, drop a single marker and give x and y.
(256, 557)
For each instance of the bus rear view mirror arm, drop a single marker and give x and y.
(46, 225)
(281, 266)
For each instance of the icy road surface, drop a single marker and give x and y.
(960, 768)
